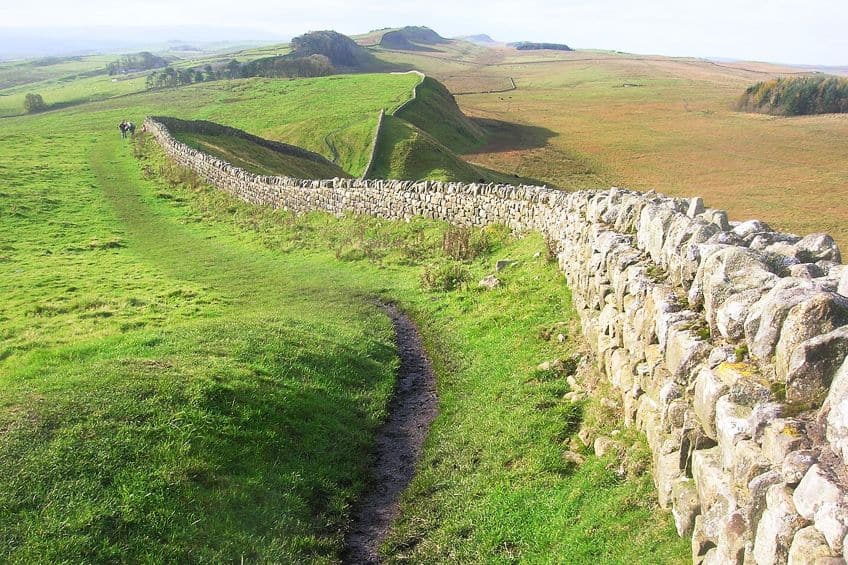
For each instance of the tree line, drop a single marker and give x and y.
(797, 96)
(270, 67)
(135, 62)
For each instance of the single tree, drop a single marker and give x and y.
(34, 103)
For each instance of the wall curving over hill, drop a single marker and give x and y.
(727, 342)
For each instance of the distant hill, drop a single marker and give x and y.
(797, 96)
(411, 38)
(528, 45)
(341, 50)
(480, 39)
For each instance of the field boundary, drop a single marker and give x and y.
(510, 88)
(369, 167)
(719, 340)
(414, 93)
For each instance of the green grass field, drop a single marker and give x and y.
(187, 378)
(334, 116)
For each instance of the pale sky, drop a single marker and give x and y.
(811, 31)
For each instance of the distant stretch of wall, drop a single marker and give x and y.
(726, 342)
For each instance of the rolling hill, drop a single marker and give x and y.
(411, 38)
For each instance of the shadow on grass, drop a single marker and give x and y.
(509, 136)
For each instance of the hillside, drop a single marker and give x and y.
(188, 378)
(411, 143)
(480, 39)
(258, 156)
(411, 38)
(405, 151)
(339, 49)
(435, 111)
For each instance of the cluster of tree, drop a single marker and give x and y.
(528, 45)
(797, 96)
(285, 66)
(135, 62)
(170, 77)
(271, 67)
(34, 103)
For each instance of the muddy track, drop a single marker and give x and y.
(398, 445)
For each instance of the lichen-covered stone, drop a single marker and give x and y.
(810, 548)
(777, 527)
(816, 489)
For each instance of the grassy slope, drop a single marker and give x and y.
(406, 152)
(312, 113)
(163, 394)
(257, 159)
(30, 71)
(193, 379)
(435, 111)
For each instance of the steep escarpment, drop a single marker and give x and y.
(411, 38)
(726, 343)
(339, 49)
(434, 110)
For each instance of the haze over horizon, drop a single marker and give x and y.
(740, 29)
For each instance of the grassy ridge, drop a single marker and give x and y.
(334, 116)
(404, 151)
(257, 159)
(435, 111)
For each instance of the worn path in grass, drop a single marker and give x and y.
(398, 444)
(184, 253)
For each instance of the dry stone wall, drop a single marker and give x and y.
(726, 342)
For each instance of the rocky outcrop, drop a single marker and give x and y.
(725, 341)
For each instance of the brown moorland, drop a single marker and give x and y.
(649, 122)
